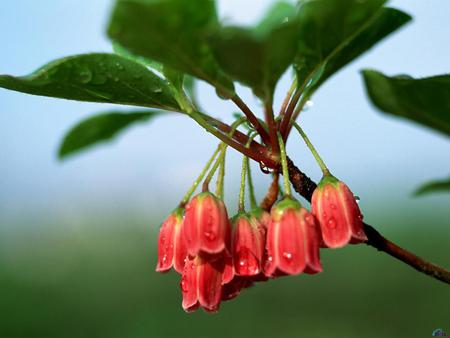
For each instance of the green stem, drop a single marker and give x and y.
(223, 147)
(284, 166)
(288, 98)
(251, 189)
(200, 177)
(221, 177)
(313, 150)
(242, 189)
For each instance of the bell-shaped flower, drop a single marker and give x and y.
(338, 213)
(206, 227)
(201, 283)
(172, 250)
(248, 242)
(293, 241)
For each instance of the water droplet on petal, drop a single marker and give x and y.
(184, 284)
(333, 206)
(357, 199)
(287, 256)
(210, 236)
(332, 223)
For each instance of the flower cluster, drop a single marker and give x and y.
(219, 257)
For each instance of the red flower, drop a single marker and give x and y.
(338, 214)
(293, 241)
(234, 288)
(248, 241)
(201, 283)
(206, 227)
(171, 246)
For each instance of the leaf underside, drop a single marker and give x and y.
(99, 129)
(425, 101)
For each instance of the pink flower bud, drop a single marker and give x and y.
(172, 250)
(292, 242)
(201, 283)
(338, 214)
(248, 241)
(206, 227)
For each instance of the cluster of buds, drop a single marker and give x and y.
(219, 257)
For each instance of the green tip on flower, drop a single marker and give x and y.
(178, 213)
(257, 212)
(287, 202)
(326, 180)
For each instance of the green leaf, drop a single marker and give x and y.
(172, 32)
(426, 101)
(258, 57)
(177, 81)
(105, 78)
(335, 32)
(122, 51)
(99, 129)
(435, 186)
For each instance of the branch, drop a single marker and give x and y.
(252, 119)
(305, 187)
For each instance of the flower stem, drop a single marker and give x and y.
(313, 150)
(284, 166)
(241, 205)
(200, 177)
(220, 178)
(251, 189)
(223, 148)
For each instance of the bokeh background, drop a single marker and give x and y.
(78, 238)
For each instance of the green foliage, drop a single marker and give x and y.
(172, 32)
(426, 101)
(100, 128)
(435, 186)
(105, 78)
(335, 32)
(258, 57)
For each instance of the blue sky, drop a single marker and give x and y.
(148, 169)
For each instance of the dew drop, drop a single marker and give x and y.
(264, 168)
(184, 284)
(270, 259)
(287, 256)
(116, 79)
(164, 259)
(119, 66)
(210, 236)
(360, 217)
(332, 223)
(333, 206)
(85, 76)
(308, 105)
(157, 90)
(357, 199)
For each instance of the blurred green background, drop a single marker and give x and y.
(78, 239)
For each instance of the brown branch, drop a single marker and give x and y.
(252, 119)
(270, 120)
(305, 187)
(272, 194)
